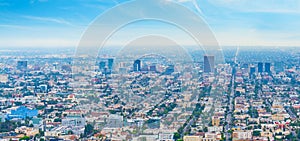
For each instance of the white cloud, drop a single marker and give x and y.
(47, 19)
(13, 26)
(183, 0)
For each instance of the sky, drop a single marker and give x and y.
(61, 23)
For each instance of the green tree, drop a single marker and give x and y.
(298, 134)
(57, 120)
(25, 138)
(88, 129)
(18, 103)
(70, 132)
(256, 133)
(177, 136)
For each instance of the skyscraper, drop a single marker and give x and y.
(110, 63)
(268, 67)
(260, 68)
(209, 63)
(252, 70)
(137, 65)
(102, 65)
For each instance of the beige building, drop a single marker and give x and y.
(278, 117)
(242, 135)
(192, 138)
(215, 121)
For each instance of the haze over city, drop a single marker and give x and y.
(150, 70)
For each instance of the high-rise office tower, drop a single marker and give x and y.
(22, 65)
(102, 65)
(110, 63)
(209, 63)
(260, 67)
(252, 70)
(268, 67)
(137, 65)
(105, 71)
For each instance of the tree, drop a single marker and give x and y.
(70, 132)
(57, 120)
(18, 103)
(223, 138)
(298, 134)
(289, 137)
(205, 129)
(256, 133)
(88, 129)
(25, 138)
(176, 136)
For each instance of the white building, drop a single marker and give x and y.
(166, 137)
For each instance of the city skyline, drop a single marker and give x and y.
(149, 70)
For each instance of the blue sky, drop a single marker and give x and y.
(61, 23)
